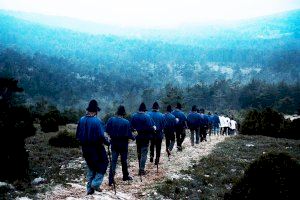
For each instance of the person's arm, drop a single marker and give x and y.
(129, 132)
(103, 138)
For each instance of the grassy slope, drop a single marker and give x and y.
(214, 175)
(46, 161)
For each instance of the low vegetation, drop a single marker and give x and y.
(272, 176)
(216, 174)
(269, 122)
(64, 139)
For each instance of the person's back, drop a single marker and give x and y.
(158, 119)
(203, 120)
(180, 116)
(216, 120)
(90, 133)
(193, 120)
(144, 125)
(169, 130)
(141, 121)
(119, 130)
(170, 120)
(156, 141)
(180, 126)
(89, 130)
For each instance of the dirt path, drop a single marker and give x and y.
(137, 189)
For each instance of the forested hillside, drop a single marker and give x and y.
(212, 68)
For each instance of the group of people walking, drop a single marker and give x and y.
(146, 127)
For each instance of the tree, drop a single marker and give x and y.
(16, 124)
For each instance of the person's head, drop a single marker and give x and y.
(93, 106)
(142, 107)
(202, 110)
(216, 113)
(209, 113)
(155, 106)
(121, 111)
(169, 108)
(194, 108)
(179, 106)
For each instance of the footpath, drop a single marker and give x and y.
(168, 169)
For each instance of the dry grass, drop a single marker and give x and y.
(205, 171)
(215, 174)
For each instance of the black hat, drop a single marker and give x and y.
(169, 108)
(155, 106)
(121, 111)
(142, 107)
(194, 108)
(179, 106)
(93, 106)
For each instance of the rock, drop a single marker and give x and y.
(38, 181)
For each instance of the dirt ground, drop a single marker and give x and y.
(138, 189)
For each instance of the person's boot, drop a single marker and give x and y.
(171, 145)
(128, 178)
(142, 172)
(151, 159)
(156, 161)
(168, 152)
(90, 191)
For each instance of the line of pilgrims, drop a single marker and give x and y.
(151, 127)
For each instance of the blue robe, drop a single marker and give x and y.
(142, 123)
(193, 120)
(90, 133)
(159, 122)
(119, 130)
(181, 116)
(170, 122)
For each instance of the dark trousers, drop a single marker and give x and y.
(170, 139)
(114, 160)
(202, 134)
(142, 151)
(180, 135)
(155, 144)
(194, 133)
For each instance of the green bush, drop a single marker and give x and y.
(51, 120)
(272, 176)
(72, 115)
(64, 139)
(269, 122)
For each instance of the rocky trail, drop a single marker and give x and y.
(136, 189)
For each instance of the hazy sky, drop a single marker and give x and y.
(152, 13)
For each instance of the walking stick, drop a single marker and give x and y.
(113, 173)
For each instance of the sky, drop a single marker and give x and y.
(152, 13)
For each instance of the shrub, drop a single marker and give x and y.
(72, 115)
(51, 120)
(64, 139)
(272, 176)
(269, 122)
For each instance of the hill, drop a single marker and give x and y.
(117, 67)
(267, 48)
